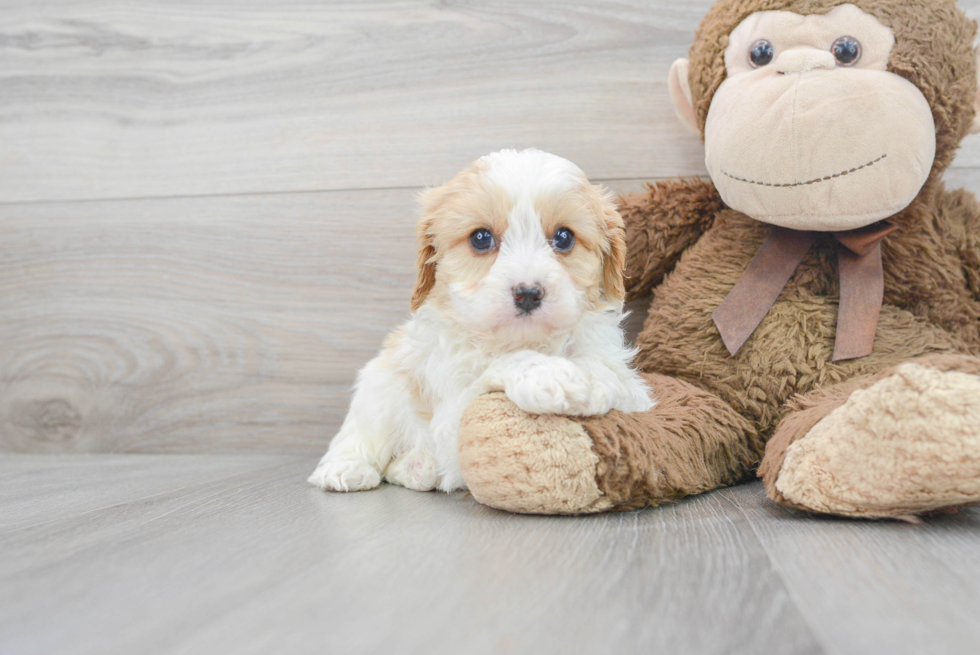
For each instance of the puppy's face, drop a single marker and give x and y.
(519, 245)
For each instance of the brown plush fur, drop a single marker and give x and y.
(928, 309)
(690, 447)
(717, 411)
(685, 209)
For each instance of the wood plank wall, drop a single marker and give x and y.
(206, 207)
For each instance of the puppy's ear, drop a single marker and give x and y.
(425, 261)
(614, 256)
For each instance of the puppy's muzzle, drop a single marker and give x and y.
(528, 298)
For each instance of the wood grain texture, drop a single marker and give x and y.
(40, 489)
(876, 587)
(257, 561)
(201, 324)
(153, 98)
(160, 99)
(222, 553)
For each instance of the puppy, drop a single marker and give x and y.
(519, 289)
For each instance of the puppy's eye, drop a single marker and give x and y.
(761, 53)
(847, 51)
(481, 240)
(563, 240)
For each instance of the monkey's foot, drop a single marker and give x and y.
(907, 444)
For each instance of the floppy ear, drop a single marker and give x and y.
(425, 260)
(613, 258)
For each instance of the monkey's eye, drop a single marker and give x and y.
(847, 51)
(761, 53)
(481, 240)
(563, 240)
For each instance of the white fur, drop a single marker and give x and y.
(568, 357)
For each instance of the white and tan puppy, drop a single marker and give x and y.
(520, 290)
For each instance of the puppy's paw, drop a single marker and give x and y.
(636, 397)
(451, 480)
(552, 385)
(414, 470)
(344, 473)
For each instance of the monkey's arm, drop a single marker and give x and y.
(971, 257)
(963, 213)
(661, 223)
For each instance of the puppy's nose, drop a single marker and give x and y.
(528, 298)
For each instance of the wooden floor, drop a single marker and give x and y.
(236, 554)
(206, 227)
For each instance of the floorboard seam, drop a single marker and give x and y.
(287, 192)
(284, 192)
(271, 467)
(824, 647)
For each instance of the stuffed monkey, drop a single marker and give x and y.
(815, 314)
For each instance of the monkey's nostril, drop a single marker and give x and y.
(527, 298)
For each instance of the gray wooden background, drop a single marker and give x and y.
(206, 207)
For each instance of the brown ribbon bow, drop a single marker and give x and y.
(862, 287)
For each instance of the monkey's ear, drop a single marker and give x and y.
(975, 127)
(679, 86)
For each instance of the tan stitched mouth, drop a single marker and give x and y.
(813, 181)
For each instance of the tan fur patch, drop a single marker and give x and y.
(421, 403)
(600, 234)
(450, 214)
(907, 444)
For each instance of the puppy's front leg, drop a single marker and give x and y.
(614, 385)
(346, 466)
(543, 384)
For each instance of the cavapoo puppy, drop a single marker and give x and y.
(519, 289)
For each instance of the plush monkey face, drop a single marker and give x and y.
(800, 138)
(810, 128)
